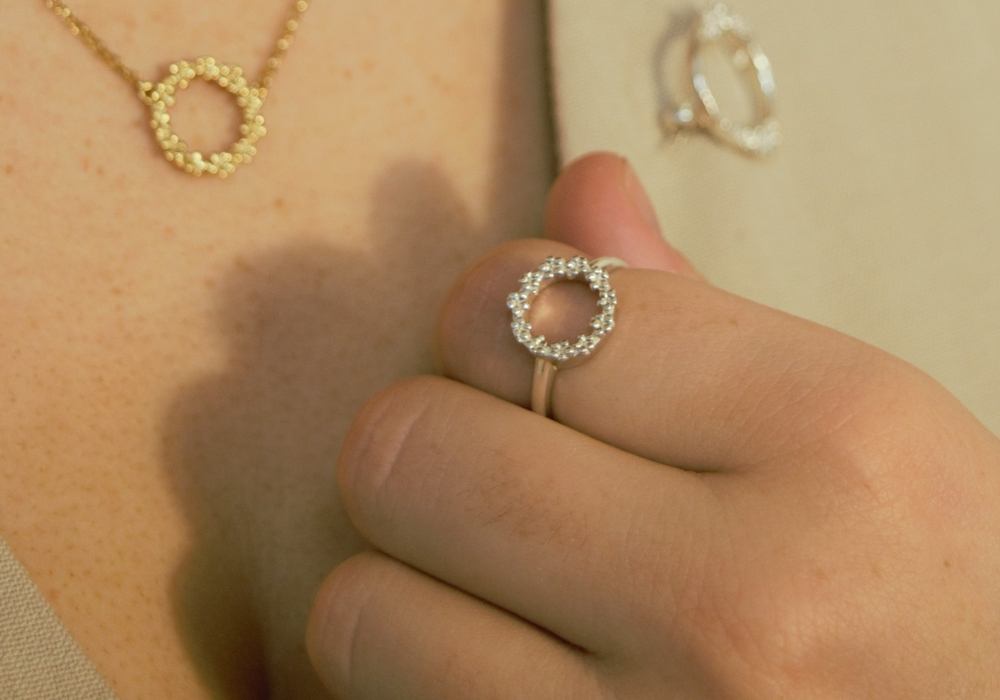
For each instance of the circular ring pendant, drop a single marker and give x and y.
(160, 98)
(595, 273)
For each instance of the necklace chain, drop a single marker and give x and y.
(159, 96)
(82, 30)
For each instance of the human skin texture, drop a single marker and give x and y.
(730, 503)
(180, 359)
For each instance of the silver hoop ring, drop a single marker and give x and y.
(564, 354)
(719, 25)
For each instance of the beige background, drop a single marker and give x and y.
(880, 213)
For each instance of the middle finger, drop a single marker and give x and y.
(520, 511)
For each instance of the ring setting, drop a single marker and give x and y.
(563, 354)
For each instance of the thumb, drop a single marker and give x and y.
(598, 205)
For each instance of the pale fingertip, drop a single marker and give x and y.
(375, 441)
(382, 629)
(330, 629)
(598, 205)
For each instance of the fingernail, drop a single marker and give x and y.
(640, 200)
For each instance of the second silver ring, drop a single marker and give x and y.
(719, 25)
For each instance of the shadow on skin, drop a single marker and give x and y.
(252, 451)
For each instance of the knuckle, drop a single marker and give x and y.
(874, 423)
(855, 415)
(760, 633)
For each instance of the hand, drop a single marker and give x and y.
(731, 503)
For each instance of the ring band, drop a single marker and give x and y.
(719, 25)
(541, 387)
(549, 358)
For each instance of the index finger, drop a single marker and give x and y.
(691, 376)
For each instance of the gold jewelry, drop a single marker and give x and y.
(719, 25)
(159, 96)
(562, 355)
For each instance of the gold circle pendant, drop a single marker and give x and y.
(160, 98)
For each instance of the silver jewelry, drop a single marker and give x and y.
(719, 25)
(564, 354)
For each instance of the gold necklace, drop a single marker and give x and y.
(159, 96)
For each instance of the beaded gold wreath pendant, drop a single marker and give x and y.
(160, 98)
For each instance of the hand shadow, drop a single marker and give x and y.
(252, 451)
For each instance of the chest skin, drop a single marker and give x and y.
(180, 358)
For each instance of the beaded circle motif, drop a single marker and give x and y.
(160, 98)
(551, 271)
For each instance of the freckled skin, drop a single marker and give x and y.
(180, 358)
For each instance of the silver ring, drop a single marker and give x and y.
(563, 354)
(719, 25)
